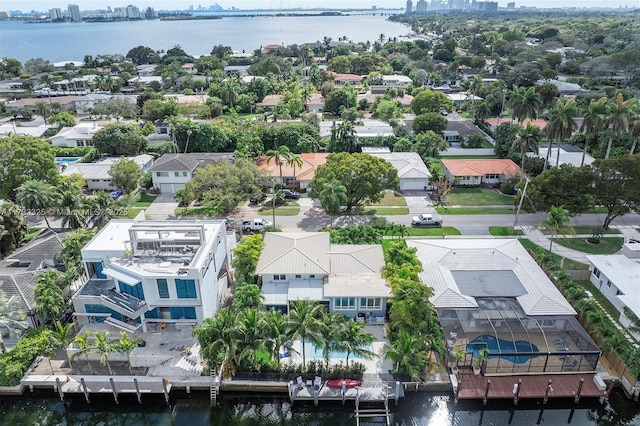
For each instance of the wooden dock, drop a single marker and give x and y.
(367, 392)
(543, 387)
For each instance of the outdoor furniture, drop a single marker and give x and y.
(300, 382)
(317, 382)
(309, 383)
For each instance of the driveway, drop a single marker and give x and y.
(162, 208)
(418, 202)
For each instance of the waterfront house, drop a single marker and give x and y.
(472, 172)
(306, 266)
(171, 172)
(19, 271)
(490, 293)
(617, 276)
(149, 274)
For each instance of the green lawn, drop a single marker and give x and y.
(32, 233)
(280, 211)
(503, 231)
(386, 211)
(391, 199)
(432, 232)
(608, 306)
(145, 200)
(568, 263)
(478, 197)
(589, 230)
(472, 210)
(132, 212)
(608, 245)
(198, 211)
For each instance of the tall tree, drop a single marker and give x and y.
(119, 139)
(24, 158)
(11, 318)
(593, 122)
(617, 120)
(50, 302)
(277, 332)
(525, 102)
(126, 345)
(63, 336)
(560, 125)
(280, 156)
(125, 175)
(71, 208)
(617, 185)
(13, 227)
(333, 196)
(558, 222)
(103, 347)
(353, 339)
(528, 139)
(304, 316)
(37, 197)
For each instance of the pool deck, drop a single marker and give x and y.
(471, 386)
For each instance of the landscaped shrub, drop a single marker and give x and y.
(14, 363)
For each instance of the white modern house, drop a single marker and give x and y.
(77, 136)
(490, 293)
(617, 276)
(146, 273)
(97, 174)
(412, 172)
(306, 266)
(171, 172)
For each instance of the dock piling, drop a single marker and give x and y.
(397, 395)
(546, 393)
(343, 391)
(577, 398)
(59, 389)
(516, 391)
(84, 389)
(609, 389)
(138, 394)
(165, 390)
(486, 393)
(113, 388)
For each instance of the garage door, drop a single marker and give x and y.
(413, 184)
(167, 188)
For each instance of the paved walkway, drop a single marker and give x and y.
(162, 208)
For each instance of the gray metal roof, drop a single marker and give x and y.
(189, 161)
(488, 283)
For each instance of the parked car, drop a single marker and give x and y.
(116, 194)
(255, 225)
(426, 219)
(290, 195)
(258, 198)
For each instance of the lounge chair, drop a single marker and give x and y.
(317, 383)
(300, 382)
(572, 365)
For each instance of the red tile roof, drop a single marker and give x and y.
(481, 167)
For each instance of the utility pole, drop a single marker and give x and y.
(524, 193)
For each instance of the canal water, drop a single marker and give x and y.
(416, 409)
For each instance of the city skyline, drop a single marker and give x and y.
(45, 5)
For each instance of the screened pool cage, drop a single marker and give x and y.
(500, 338)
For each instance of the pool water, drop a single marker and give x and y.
(67, 160)
(311, 351)
(499, 348)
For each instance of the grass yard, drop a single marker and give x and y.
(478, 197)
(32, 233)
(609, 245)
(391, 199)
(432, 232)
(386, 211)
(132, 212)
(589, 230)
(568, 263)
(281, 211)
(475, 210)
(145, 200)
(608, 306)
(198, 211)
(504, 231)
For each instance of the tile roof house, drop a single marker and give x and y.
(617, 276)
(479, 172)
(270, 101)
(295, 175)
(347, 78)
(491, 293)
(315, 103)
(19, 270)
(171, 172)
(305, 265)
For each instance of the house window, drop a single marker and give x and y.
(596, 272)
(132, 290)
(344, 303)
(186, 289)
(311, 276)
(184, 174)
(619, 293)
(608, 283)
(162, 174)
(183, 312)
(298, 276)
(163, 288)
(176, 174)
(372, 303)
(279, 277)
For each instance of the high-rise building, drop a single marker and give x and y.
(511, 5)
(409, 7)
(74, 12)
(55, 14)
(421, 6)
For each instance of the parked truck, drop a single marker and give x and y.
(255, 225)
(426, 219)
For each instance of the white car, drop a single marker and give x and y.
(426, 219)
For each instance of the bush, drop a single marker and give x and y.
(14, 363)
(72, 152)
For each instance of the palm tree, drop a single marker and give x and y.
(71, 208)
(43, 109)
(63, 335)
(528, 139)
(218, 339)
(615, 343)
(280, 156)
(126, 345)
(333, 196)
(84, 346)
(333, 324)
(594, 317)
(635, 132)
(408, 354)
(13, 222)
(558, 221)
(475, 84)
(304, 322)
(103, 347)
(49, 299)
(247, 296)
(634, 326)
(36, 196)
(11, 318)
(525, 102)
(354, 340)
(346, 135)
(102, 208)
(294, 160)
(48, 347)
(276, 332)
(617, 120)
(593, 122)
(560, 125)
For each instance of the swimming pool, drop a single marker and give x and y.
(505, 349)
(67, 160)
(311, 351)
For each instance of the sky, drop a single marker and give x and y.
(43, 5)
